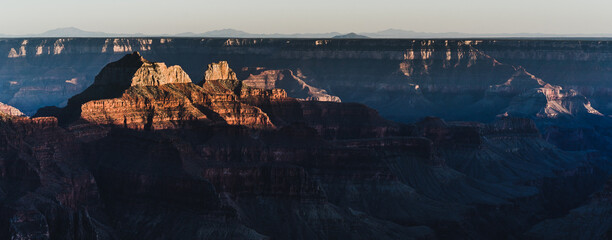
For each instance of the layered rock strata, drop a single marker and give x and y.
(166, 158)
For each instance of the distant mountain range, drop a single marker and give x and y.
(73, 32)
(351, 35)
(241, 34)
(233, 33)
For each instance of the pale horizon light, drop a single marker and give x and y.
(316, 16)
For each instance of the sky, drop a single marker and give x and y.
(313, 16)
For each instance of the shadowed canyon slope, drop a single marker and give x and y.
(149, 151)
(591, 220)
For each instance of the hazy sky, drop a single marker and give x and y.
(287, 16)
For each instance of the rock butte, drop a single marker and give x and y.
(139, 94)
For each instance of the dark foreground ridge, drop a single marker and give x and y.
(146, 153)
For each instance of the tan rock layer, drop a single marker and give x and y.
(156, 74)
(9, 110)
(219, 71)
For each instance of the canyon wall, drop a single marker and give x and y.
(564, 85)
(378, 72)
(149, 152)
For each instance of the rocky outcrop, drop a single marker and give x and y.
(123, 96)
(138, 94)
(219, 71)
(156, 74)
(220, 79)
(287, 80)
(519, 82)
(46, 188)
(144, 108)
(551, 102)
(8, 110)
(134, 70)
(539, 99)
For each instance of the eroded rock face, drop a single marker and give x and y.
(8, 110)
(551, 102)
(134, 70)
(157, 74)
(166, 158)
(287, 80)
(138, 94)
(48, 192)
(143, 107)
(220, 79)
(219, 71)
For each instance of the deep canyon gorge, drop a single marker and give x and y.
(217, 138)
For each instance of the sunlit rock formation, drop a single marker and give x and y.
(139, 94)
(287, 80)
(9, 110)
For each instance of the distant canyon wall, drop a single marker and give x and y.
(389, 75)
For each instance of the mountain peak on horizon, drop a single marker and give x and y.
(351, 35)
(73, 29)
(395, 30)
(227, 30)
(72, 32)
